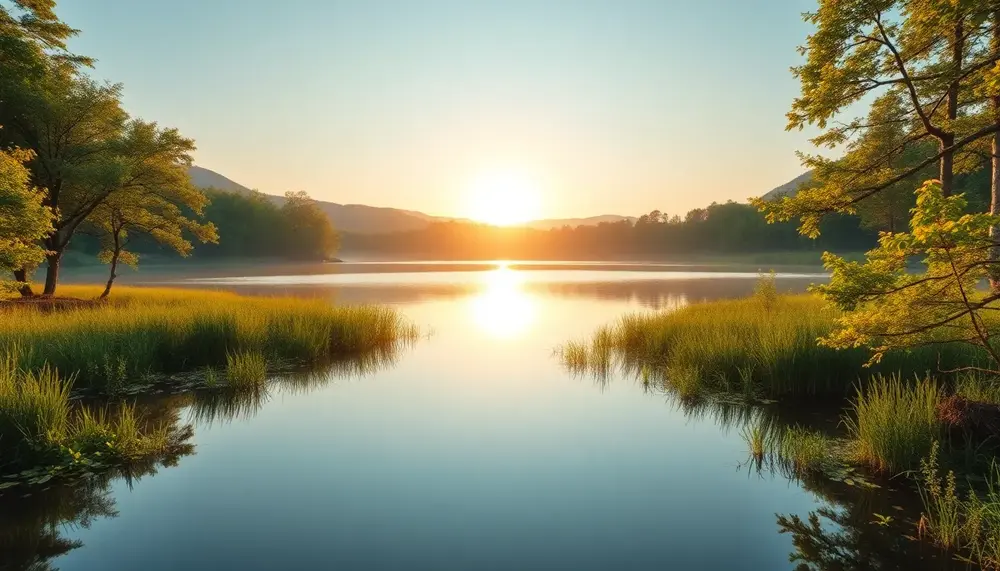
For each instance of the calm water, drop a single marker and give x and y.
(473, 450)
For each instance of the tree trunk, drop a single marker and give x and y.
(947, 174)
(111, 278)
(52, 272)
(994, 254)
(948, 139)
(22, 276)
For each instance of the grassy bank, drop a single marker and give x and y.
(144, 332)
(765, 346)
(43, 430)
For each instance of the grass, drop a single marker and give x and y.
(142, 332)
(972, 525)
(246, 370)
(804, 450)
(893, 424)
(40, 426)
(765, 345)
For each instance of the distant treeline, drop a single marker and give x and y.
(730, 228)
(251, 226)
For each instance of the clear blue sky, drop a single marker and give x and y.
(612, 106)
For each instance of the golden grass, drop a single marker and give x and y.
(142, 331)
(766, 347)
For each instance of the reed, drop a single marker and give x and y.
(246, 370)
(39, 424)
(893, 424)
(768, 342)
(143, 331)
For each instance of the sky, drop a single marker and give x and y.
(607, 106)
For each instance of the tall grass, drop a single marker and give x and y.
(246, 369)
(973, 524)
(142, 331)
(893, 424)
(39, 424)
(768, 342)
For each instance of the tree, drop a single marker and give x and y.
(23, 219)
(922, 60)
(160, 212)
(308, 230)
(941, 305)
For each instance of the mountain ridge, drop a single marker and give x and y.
(364, 219)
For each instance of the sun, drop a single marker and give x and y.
(504, 198)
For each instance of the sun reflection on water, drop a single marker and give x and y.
(503, 309)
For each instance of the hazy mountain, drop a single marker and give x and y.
(790, 187)
(345, 217)
(362, 219)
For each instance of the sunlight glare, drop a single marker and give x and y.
(503, 310)
(504, 198)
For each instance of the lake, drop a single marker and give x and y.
(473, 449)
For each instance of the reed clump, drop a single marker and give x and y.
(893, 424)
(246, 370)
(768, 343)
(140, 332)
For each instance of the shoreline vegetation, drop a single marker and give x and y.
(56, 356)
(911, 415)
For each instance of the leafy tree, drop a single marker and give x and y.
(23, 219)
(922, 60)
(941, 305)
(307, 228)
(159, 212)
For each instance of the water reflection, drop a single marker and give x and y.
(33, 525)
(502, 309)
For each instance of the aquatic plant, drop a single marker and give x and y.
(893, 424)
(804, 450)
(771, 347)
(246, 369)
(40, 426)
(140, 332)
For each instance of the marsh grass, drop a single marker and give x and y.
(983, 522)
(144, 332)
(768, 342)
(39, 424)
(972, 525)
(805, 450)
(893, 423)
(247, 369)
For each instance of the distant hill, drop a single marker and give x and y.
(790, 187)
(345, 217)
(361, 219)
(550, 223)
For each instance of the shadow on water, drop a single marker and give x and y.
(32, 524)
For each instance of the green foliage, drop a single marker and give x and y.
(307, 228)
(254, 226)
(893, 424)
(942, 304)
(24, 220)
(921, 65)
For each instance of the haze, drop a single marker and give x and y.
(607, 106)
